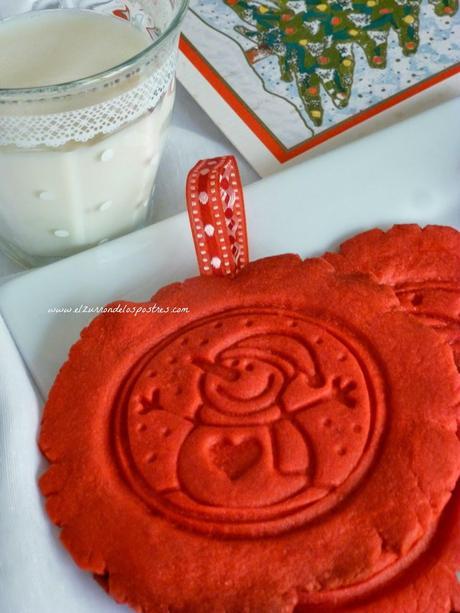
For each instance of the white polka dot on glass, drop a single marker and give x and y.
(203, 197)
(105, 206)
(107, 155)
(216, 262)
(209, 229)
(47, 196)
(153, 161)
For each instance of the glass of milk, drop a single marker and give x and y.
(86, 94)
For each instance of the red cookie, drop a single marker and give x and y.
(432, 583)
(289, 442)
(422, 265)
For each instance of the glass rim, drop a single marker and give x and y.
(113, 71)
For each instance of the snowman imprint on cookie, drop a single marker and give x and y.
(249, 422)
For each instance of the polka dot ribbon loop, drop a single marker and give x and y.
(216, 211)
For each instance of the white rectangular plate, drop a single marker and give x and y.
(407, 173)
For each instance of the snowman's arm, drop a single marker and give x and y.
(299, 389)
(299, 395)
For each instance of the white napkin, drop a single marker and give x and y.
(37, 574)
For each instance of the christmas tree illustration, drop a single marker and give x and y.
(312, 39)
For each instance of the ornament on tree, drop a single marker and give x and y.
(314, 45)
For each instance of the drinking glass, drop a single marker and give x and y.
(78, 160)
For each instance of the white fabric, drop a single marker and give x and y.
(36, 573)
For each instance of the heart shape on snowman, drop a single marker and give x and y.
(235, 459)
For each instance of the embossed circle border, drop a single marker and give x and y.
(284, 522)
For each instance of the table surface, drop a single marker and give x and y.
(192, 136)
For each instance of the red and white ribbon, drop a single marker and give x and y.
(216, 211)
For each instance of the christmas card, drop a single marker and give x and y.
(282, 77)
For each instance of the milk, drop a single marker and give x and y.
(56, 46)
(55, 201)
